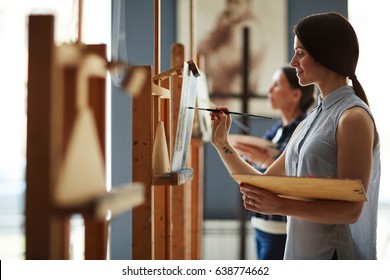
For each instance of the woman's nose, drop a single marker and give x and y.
(293, 62)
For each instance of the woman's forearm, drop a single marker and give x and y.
(320, 211)
(233, 161)
(323, 211)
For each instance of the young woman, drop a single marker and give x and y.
(338, 139)
(292, 101)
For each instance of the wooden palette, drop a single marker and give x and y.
(307, 188)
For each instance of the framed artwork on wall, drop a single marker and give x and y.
(220, 41)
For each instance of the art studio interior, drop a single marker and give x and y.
(101, 158)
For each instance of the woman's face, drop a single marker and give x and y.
(281, 95)
(308, 71)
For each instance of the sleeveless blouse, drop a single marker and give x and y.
(312, 151)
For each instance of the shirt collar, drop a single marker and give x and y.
(334, 97)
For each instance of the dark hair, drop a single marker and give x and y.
(307, 97)
(331, 41)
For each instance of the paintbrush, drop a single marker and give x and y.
(230, 112)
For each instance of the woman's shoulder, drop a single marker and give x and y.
(351, 100)
(355, 118)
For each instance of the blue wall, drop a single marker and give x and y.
(139, 37)
(138, 26)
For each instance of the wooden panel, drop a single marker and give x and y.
(46, 236)
(96, 235)
(97, 97)
(97, 100)
(187, 210)
(177, 213)
(142, 169)
(160, 239)
(96, 231)
(307, 188)
(161, 202)
(197, 149)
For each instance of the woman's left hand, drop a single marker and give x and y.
(260, 200)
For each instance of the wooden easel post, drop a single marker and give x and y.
(96, 231)
(66, 115)
(149, 220)
(159, 224)
(177, 193)
(142, 168)
(47, 235)
(162, 226)
(160, 217)
(195, 226)
(52, 95)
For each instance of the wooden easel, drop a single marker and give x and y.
(163, 227)
(197, 162)
(54, 93)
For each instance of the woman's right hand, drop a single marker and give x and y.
(220, 123)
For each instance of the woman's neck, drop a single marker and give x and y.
(289, 115)
(331, 83)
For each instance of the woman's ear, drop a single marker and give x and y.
(297, 94)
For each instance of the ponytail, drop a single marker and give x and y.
(358, 89)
